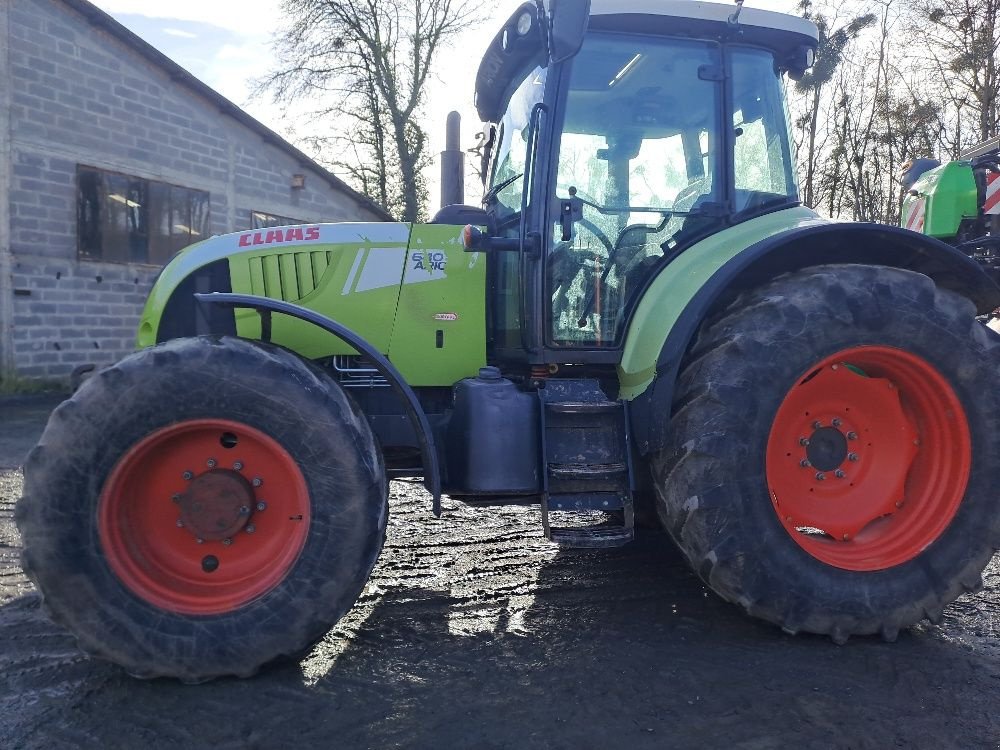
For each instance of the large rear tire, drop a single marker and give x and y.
(835, 451)
(202, 508)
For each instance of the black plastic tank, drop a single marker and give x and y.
(492, 439)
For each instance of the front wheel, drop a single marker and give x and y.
(203, 507)
(835, 451)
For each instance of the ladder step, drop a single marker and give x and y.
(582, 407)
(587, 471)
(592, 536)
(587, 501)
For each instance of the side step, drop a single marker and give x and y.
(597, 536)
(587, 463)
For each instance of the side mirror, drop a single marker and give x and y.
(475, 240)
(568, 21)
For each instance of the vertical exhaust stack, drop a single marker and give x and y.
(453, 164)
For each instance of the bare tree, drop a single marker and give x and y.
(814, 84)
(366, 64)
(961, 39)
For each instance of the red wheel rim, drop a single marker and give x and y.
(203, 516)
(868, 458)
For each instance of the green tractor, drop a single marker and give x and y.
(958, 202)
(642, 315)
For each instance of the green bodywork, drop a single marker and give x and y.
(677, 284)
(395, 285)
(418, 297)
(940, 199)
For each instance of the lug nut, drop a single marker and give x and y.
(846, 537)
(244, 510)
(852, 436)
(257, 482)
(250, 528)
(176, 498)
(820, 476)
(817, 424)
(261, 505)
(227, 541)
(200, 541)
(238, 466)
(852, 456)
(899, 503)
(804, 463)
(836, 423)
(839, 473)
(210, 463)
(180, 524)
(803, 441)
(835, 367)
(188, 476)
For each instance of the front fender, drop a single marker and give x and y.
(806, 243)
(265, 306)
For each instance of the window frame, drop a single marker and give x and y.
(147, 226)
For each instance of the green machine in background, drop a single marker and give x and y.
(640, 321)
(957, 202)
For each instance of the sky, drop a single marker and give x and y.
(228, 43)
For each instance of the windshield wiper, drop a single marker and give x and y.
(495, 190)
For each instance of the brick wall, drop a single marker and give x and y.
(80, 95)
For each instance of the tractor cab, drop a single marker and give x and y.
(619, 135)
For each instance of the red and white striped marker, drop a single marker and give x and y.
(913, 216)
(992, 203)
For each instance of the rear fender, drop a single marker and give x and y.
(792, 250)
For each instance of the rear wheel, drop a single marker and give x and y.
(835, 449)
(202, 508)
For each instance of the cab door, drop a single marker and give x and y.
(509, 286)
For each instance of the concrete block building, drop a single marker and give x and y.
(112, 158)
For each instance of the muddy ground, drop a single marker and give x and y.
(476, 633)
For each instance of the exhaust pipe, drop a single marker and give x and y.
(453, 164)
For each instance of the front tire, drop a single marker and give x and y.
(202, 508)
(835, 451)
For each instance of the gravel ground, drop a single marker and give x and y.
(475, 632)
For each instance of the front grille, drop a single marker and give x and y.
(288, 276)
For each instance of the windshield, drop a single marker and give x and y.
(506, 185)
(638, 163)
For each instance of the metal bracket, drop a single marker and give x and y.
(265, 306)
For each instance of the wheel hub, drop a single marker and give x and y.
(827, 449)
(184, 526)
(868, 458)
(217, 505)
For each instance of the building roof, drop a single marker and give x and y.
(99, 19)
